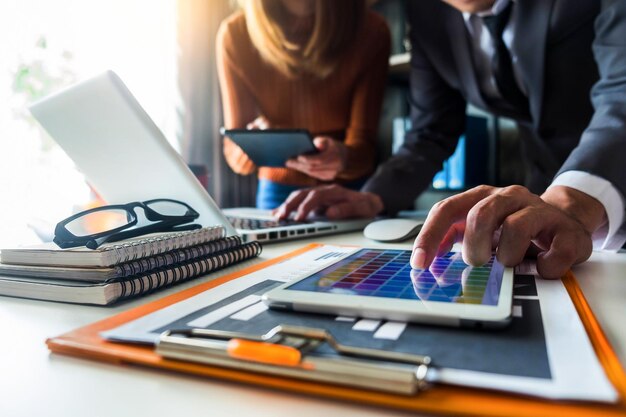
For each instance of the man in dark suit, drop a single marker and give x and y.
(558, 68)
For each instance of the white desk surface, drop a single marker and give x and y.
(34, 382)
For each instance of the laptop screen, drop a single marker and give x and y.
(119, 149)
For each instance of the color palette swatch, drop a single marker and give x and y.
(387, 273)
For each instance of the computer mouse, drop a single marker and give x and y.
(393, 230)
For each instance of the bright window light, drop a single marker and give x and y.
(47, 45)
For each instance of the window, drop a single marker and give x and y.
(47, 45)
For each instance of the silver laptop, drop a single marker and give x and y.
(125, 157)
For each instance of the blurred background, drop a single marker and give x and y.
(47, 45)
(164, 50)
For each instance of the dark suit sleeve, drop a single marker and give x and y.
(438, 119)
(602, 148)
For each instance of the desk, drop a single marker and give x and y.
(35, 383)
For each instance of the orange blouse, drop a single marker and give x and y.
(345, 105)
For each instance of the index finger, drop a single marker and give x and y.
(440, 219)
(313, 159)
(318, 198)
(291, 203)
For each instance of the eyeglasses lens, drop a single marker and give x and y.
(98, 222)
(168, 208)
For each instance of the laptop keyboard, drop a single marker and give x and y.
(257, 224)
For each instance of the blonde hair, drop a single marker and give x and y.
(336, 23)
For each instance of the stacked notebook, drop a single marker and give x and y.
(118, 270)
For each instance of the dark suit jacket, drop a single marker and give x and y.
(564, 48)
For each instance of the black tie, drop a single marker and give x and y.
(501, 63)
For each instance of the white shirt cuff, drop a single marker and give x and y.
(611, 236)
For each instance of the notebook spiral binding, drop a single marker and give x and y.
(167, 276)
(159, 244)
(155, 261)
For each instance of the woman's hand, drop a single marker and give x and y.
(326, 164)
(259, 123)
(236, 157)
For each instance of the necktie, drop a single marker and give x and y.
(501, 63)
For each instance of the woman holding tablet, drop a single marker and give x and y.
(319, 65)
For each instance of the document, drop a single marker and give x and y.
(544, 352)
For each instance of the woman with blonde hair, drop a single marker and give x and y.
(319, 65)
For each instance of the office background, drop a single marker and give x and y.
(165, 52)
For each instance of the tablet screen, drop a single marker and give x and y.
(272, 147)
(387, 273)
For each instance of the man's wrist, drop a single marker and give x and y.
(578, 205)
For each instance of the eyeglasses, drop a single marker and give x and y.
(92, 228)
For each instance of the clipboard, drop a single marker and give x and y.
(284, 351)
(87, 343)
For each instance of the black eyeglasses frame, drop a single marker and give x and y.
(162, 223)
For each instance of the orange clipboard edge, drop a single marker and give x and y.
(86, 342)
(607, 356)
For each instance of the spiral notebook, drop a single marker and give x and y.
(115, 290)
(110, 254)
(126, 269)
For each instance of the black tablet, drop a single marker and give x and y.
(272, 147)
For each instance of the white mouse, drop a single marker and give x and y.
(393, 230)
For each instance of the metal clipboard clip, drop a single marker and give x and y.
(286, 351)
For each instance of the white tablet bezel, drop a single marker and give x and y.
(432, 312)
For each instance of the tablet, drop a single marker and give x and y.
(272, 147)
(380, 284)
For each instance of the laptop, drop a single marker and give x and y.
(125, 157)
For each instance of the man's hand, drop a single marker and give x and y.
(334, 201)
(326, 164)
(557, 227)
